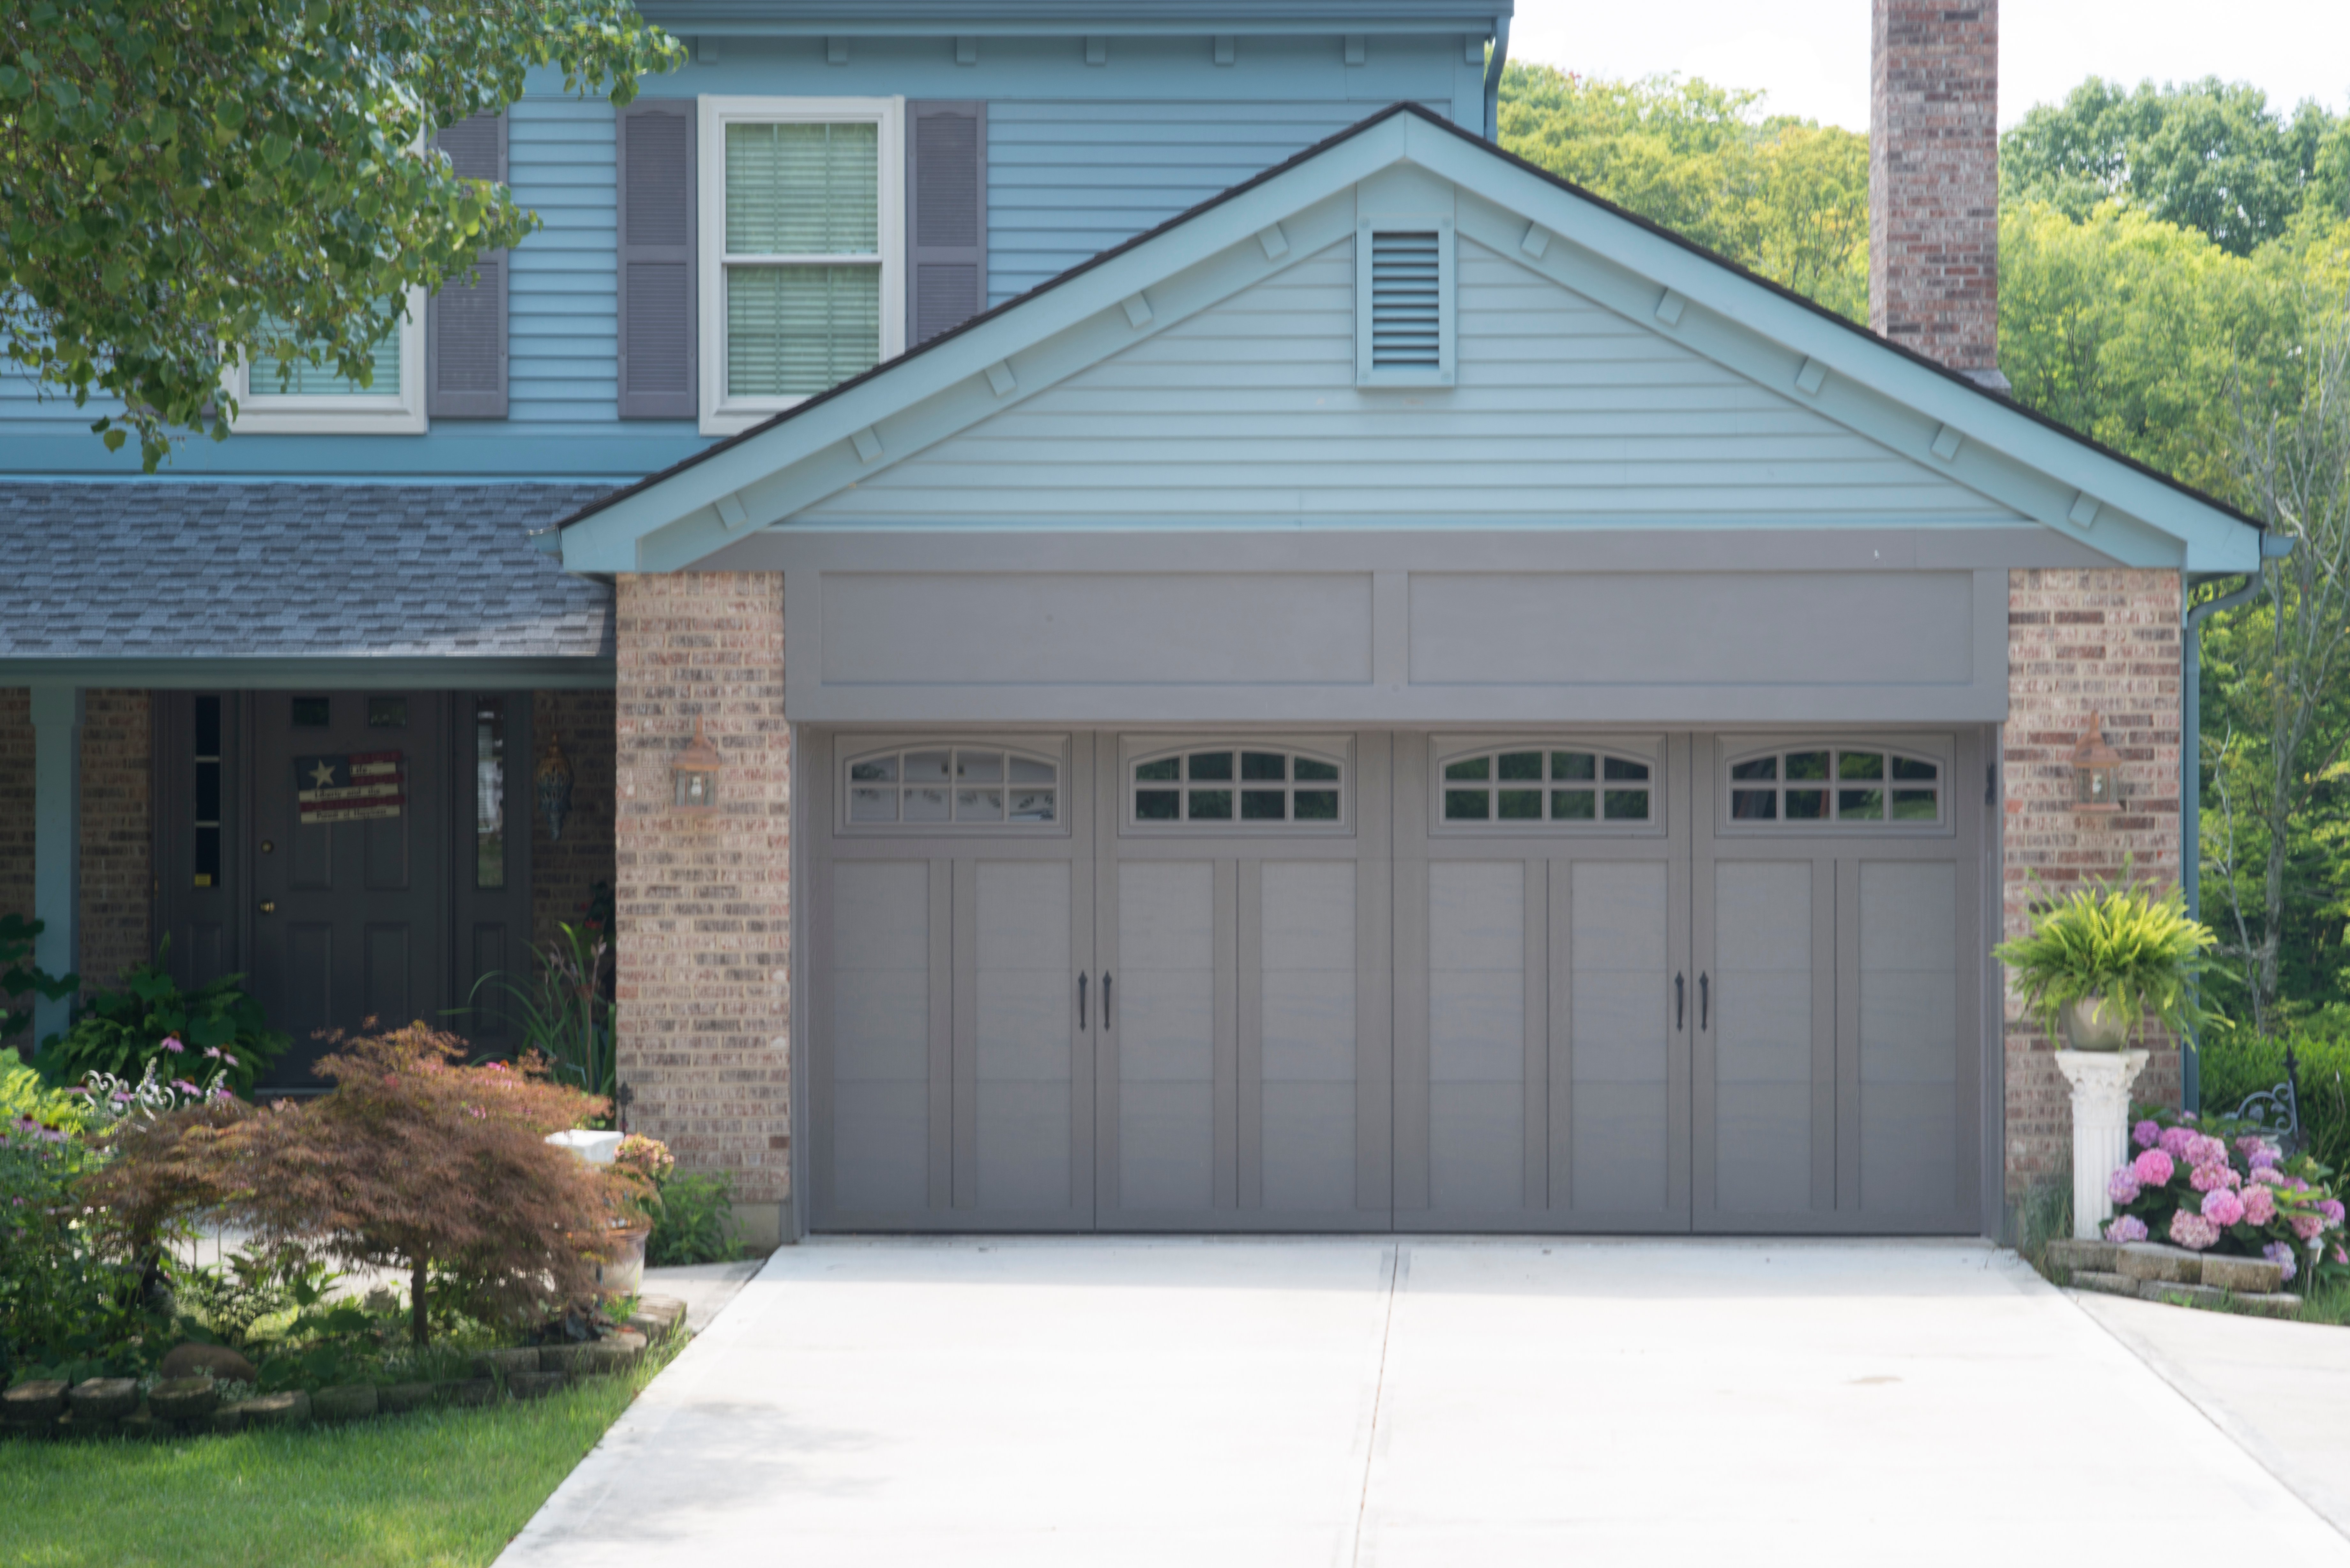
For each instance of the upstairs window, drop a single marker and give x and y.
(286, 394)
(802, 247)
(1404, 302)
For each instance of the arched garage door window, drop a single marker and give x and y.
(979, 785)
(1526, 783)
(1842, 786)
(1222, 785)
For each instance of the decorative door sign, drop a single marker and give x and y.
(351, 788)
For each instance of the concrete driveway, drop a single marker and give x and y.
(1412, 1402)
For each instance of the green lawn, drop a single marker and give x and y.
(430, 1490)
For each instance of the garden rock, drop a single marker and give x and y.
(399, 1398)
(230, 1419)
(288, 1409)
(2245, 1276)
(2085, 1257)
(142, 1425)
(567, 1360)
(351, 1402)
(103, 1399)
(534, 1384)
(208, 1360)
(2174, 1265)
(2179, 1294)
(35, 1404)
(506, 1364)
(2275, 1303)
(184, 1398)
(658, 1317)
(2111, 1284)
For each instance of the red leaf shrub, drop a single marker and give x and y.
(415, 1161)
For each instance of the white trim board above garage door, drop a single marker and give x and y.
(1394, 627)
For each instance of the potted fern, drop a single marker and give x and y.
(2100, 961)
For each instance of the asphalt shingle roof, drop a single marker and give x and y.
(164, 569)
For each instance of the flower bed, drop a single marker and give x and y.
(2225, 1192)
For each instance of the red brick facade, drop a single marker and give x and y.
(1933, 178)
(116, 861)
(2078, 641)
(704, 901)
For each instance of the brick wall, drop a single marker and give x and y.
(704, 901)
(565, 871)
(2080, 640)
(1933, 178)
(117, 862)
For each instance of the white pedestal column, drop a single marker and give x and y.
(2101, 1084)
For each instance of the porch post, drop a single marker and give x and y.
(57, 844)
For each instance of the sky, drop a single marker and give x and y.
(1812, 56)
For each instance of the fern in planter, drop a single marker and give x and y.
(2135, 955)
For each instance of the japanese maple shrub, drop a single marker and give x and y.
(414, 1162)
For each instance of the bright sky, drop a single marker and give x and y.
(1812, 56)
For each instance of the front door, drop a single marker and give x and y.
(349, 871)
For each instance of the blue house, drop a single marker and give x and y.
(1146, 633)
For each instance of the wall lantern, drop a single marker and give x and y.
(2096, 770)
(695, 772)
(552, 779)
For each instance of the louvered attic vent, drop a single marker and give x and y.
(1403, 304)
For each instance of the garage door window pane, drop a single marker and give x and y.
(962, 785)
(1267, 793)
(1504, 786)
(1792, 785)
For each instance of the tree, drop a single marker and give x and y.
(188, 182)
(2206, 155)
(1785, 197)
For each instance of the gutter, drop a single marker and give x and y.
(2191, 771)
(1494, 61)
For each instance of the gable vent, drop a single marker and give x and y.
(1403, 304)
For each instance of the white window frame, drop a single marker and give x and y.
(264, 411)
(725, 415)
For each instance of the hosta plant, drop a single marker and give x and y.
(2137, 953)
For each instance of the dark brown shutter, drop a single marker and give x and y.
(946, 215)
(465, 323)
(660, 330)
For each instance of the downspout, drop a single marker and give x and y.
(1498, 56)
(2190, 772)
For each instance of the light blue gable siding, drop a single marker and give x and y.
(1081, 158)
(1248, 412)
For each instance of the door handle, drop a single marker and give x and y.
(1107, 1016)
(1704, 1002)
(1680, 1002)
(1081, 1002)
(269, 906)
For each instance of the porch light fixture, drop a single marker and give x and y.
(695, 772)
(552, 781)
(2096, 770)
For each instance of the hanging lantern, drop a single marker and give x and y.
(552, 779)
(696, 773)
(2096, 770)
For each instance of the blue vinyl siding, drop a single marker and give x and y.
(1249, 412)
(1081, 159)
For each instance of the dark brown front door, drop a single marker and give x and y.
(350, 864)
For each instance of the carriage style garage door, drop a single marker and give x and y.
(1327, 981)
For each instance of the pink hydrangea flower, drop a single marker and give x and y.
(2259, 1204)
(2191, 1230)
(2128, 1227)
(2176, 1141)
(2339, 1255)
(2223, 1208)
(2146, 1133)
(2214, 1178)
(2279, 1253)
(2207, 1150)
(2332, 1208)
(2122, 1186)
(2153, 1167)
(2307, 1226)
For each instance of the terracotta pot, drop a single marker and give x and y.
(2092, 1024)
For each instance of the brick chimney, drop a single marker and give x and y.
(1933, 181)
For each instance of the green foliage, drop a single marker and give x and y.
(2209, 156)
(121, 1031)
(228, 1301)
(179, 177)
(2238, 1062)
(26, 1095)
(566, 1015)
(65, 1299)
(21, 980)
(694, 1221)
(2137, 952)
(1785, 197)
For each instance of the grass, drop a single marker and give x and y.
(435, 1489)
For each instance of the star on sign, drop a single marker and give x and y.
(323, 776)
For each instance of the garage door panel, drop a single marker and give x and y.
(1166, 1146)
(1908, 1012)
(1619, 1148)
(1619, 1027)
(1309, 1147)
(1909, 1149)
(1309, 1026)
(1762, 1159)
(1619, 914)
(1309, 916)
(1024, 1145)
(1476, 1133)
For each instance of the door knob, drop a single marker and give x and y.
(269, 906)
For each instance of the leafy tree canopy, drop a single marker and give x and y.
(1785, 197)
(186, 183)
(2207, 155)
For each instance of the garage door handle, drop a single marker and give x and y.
(1680, 1002)
(1081, 1003)
(1107, 1019)
(1704, 1002)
